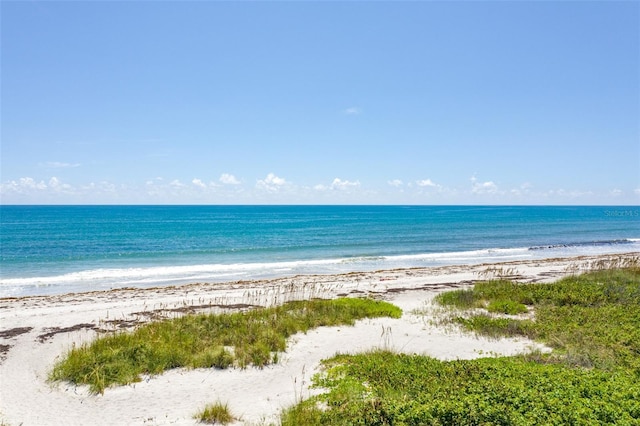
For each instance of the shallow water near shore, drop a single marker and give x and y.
(61, 249)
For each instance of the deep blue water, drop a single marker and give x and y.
(57, 249)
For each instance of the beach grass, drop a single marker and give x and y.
(591, 377)
(216, 413)
(592, 320)
(207, 341)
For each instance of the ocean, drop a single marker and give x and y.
(60, 249)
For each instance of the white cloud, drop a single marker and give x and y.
(22, 185)
(104, 187)
(275, 180)
(271, 183)
(337, 185)
(29, 186)
(157, 180)
(54, 182)
(487, 187)
(343, 184)
(426, 182)
(578, 193)
(198, 183)
(273, 188)
(30, 183)
(59, 165)
(107, 187)
(570, 194)
(524, 189)
(353, 111)
(56, 185)
(229, 179)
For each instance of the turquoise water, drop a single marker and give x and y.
(58, 249)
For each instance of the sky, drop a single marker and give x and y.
(421, 102)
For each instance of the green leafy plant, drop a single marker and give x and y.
(592, 318)
(509, 307)
(384, 388)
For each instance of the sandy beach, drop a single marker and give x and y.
(37, 331)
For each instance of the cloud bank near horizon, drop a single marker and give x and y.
(274, 189)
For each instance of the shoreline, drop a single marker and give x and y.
(37, 330)
(578, 263)
(111, 277)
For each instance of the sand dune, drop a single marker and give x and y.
(36, 331)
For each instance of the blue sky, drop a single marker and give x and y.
(320, 102)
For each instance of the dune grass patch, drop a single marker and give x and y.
(207, 341)
(592, 319)
(216, 413)
(592, 377)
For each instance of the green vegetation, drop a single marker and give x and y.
(382, 388)
(593, 320)
(216, 413)
(495, 296)
(220, 341)
(592, 377)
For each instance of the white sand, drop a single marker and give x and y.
(256, 395)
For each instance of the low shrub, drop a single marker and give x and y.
(592, 376)
(506, 307)
(383, 388)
